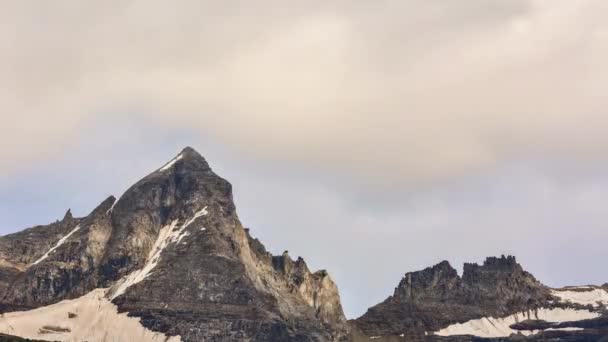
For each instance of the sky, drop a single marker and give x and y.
(371, 138)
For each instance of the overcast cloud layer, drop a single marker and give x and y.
(401, 89)
(403, 132)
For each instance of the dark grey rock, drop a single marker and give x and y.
(437, 297)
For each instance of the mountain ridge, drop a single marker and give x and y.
(177, 229)
(169, 260)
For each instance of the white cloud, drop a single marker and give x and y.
(409, 90)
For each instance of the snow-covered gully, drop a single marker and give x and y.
(168, 234)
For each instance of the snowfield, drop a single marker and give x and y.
(583, 295)
(500, 327)
(91, 317)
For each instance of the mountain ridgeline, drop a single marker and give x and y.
(170, 261)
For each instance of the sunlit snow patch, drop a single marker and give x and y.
(109, 211)
(564, 329)
(583, 295)
(59, 243)
(167, 235)
(91, 317)
(500, 327)
(171, 163)
(163, 239)
(198, 214)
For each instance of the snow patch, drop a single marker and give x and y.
(109, 211)
(584, 296)
(57, 245)
(163, 239)
(565, 329)
(181, 236)
(500, 327)
(202, 212)
(182, 233)
(171, 163)
(95, 319)
(167, 235)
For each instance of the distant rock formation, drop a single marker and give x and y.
(498, 293)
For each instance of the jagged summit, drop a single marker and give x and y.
(495, 299)
(437, 296)
(68, 215)
(504, 263)
(187, 160)
(190, 152)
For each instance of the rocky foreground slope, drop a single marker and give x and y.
(170, 261)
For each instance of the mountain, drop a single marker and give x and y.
(169, 260)
(497, 300)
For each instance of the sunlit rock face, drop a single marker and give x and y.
(172, 253)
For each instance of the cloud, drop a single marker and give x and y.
(405, 91)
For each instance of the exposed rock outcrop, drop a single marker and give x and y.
(495, 301)
(436, 297)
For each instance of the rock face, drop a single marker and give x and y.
(436, 297)
(172, 252)
(489, 300)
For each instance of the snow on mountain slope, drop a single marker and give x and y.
(501, 327)
(165, 235)
(59, 243)
(171, 163)
(584, 295)
(88, 318)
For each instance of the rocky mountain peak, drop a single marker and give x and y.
(68, 215)
(435, 280)
(172, 251)
(498, 272)
(190, 153)
(188, 160)
(435, 297)
(503, 264)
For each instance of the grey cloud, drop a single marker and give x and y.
(406, 90)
